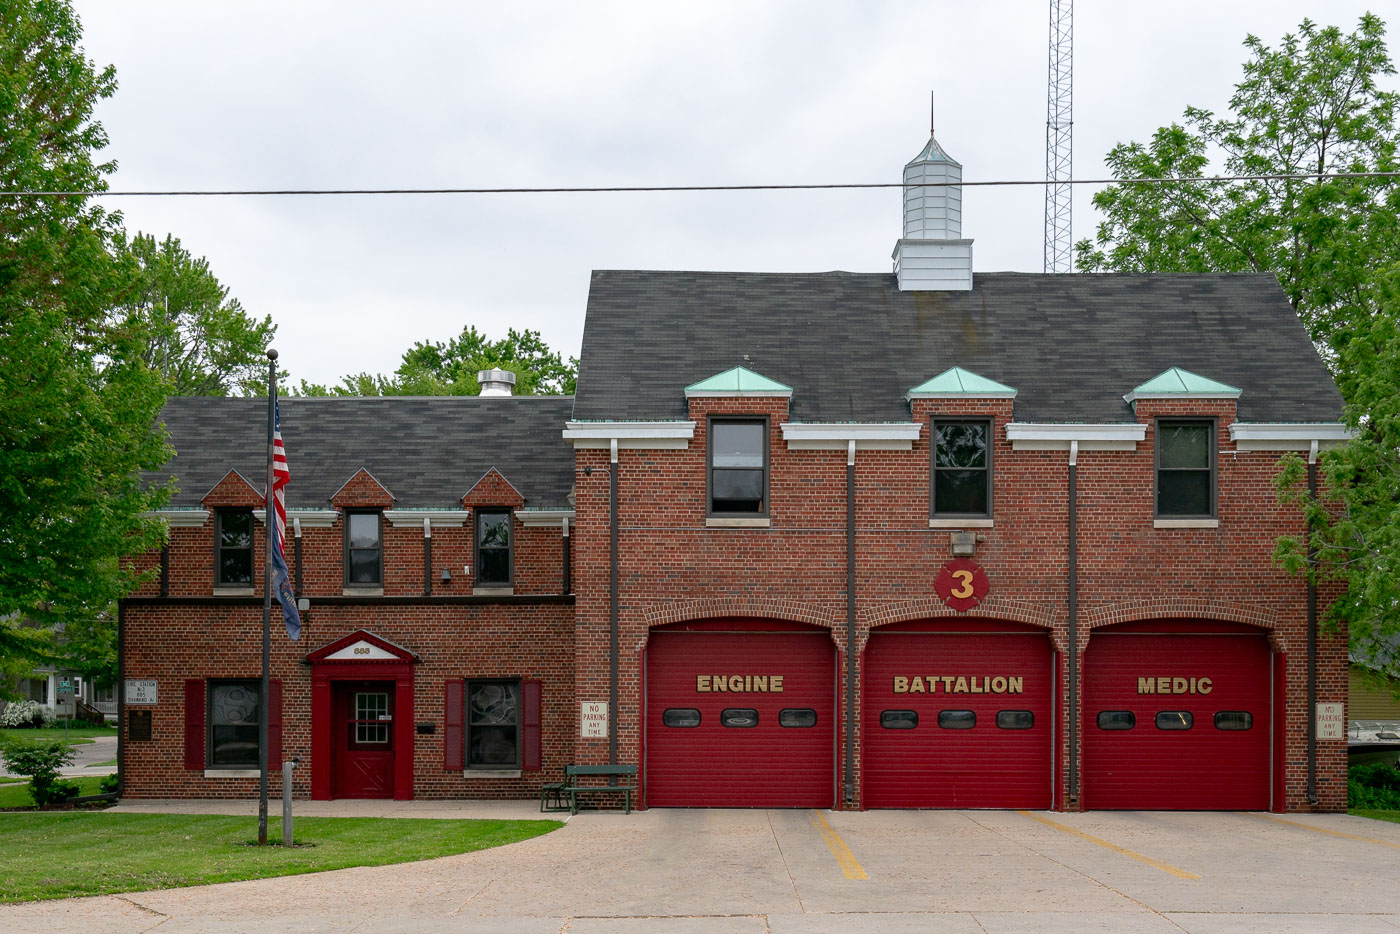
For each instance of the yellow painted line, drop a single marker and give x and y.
(1122, 850)
(844, 857)
(1335, 833)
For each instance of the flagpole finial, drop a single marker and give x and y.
(271, 354)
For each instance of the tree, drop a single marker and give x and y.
(78, 403)
(1313, 107)
(449, 369)
(198, 338)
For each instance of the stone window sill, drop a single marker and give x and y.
(235, 773)
(1186, 523)
(737, 522)
(961, 523)
(363, 592)
(233, 591)
(491, 773)
(491, 590)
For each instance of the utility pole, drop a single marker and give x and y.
(1059, 139)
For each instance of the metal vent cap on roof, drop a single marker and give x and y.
(496, 382)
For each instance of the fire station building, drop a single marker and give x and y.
(919, 539)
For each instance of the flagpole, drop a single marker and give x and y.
(270, 523)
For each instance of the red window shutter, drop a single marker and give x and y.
(194, 724)
(274, 724)
(531, 742)
(452, 706)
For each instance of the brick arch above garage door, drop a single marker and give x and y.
(1258, 618)
(928, 610)
(713, 608)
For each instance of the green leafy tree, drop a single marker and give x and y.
(41, 761)
(198, 338)
(1314, 106)
(449, 369)
(78, 403)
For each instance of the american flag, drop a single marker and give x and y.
(281, 476)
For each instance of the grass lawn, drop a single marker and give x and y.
(1392, 816)
(56, 854)
(14, 793)
(77, 733)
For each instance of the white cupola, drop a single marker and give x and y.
(932, 256)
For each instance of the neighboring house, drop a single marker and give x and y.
(911, 539)
(60, 689)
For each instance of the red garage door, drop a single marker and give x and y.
(740, 714)
(1177, 717)
(958, 715)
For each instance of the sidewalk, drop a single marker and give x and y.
(438, 809)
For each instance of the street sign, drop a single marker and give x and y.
(1330, 724)
(593, 719)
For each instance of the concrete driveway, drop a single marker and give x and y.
(804, 872)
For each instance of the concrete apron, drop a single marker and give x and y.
(802, 872)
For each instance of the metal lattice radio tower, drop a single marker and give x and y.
(1059, 139)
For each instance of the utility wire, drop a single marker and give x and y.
(1170, 180)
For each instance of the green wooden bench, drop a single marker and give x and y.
(581, 780)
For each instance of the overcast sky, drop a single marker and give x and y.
(248, 94)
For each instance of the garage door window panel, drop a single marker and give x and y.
(739, 717)
(1185, 469)
(1234, 720)
(1116, 720)
(681, 718)
(1175, 720)
(962, 469)
(738, 474)
(1015, 720)
(899, 719)
(797, 717)
(956, 719)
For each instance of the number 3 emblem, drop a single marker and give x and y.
(961, 584)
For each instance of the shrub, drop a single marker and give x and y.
(40, 762)
(109, 784)
(1374, 787)
(24, 714)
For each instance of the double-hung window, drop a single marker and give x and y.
(364, 566)
(233, 716)
(233, 548)
(738, 470)
(1185, 469)
(962, 469)
(493, 724)
(493, 541)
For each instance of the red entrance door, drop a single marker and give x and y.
(363, 740)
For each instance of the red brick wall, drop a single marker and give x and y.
(172, 643)
(672, 567)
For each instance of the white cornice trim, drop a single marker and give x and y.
(1028, 436)
(645, 435)
(310, 518)
(544, 518)
(179, 518)
(437, 518)
(1288, 436)
(836, 436)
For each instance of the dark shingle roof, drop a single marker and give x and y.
(426, 451)
(851, 344)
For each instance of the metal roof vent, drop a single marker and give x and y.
(496, 382)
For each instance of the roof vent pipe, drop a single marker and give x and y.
(496, 382)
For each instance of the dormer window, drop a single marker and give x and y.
(364, 566)
(233, 548)
(738, 474)
(1185, 468)
(493, 546)
(962, 469)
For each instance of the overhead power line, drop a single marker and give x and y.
(611, 189)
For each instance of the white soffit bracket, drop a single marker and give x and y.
(634, 435)
(179, 518)
(1026, 436)
(545, 518)
(439, 518)
(1288, 436)
(837, 436)
(309, 518)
